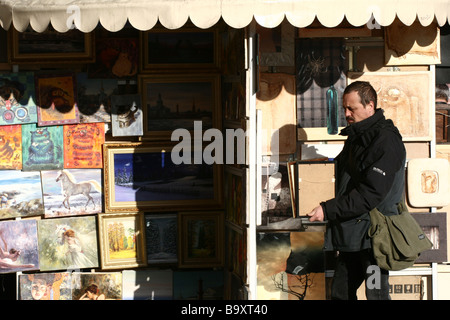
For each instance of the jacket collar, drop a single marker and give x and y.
(359, 127)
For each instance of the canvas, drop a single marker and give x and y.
(126, 115)
(68, 243)
(19, 246)
(42, 147)
(146, 284)
(161, 238)
(11, 147)
(45, 286)
(71, 192)
(97, 286)
(21, 194)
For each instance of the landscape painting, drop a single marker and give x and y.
(21, 194)
(72, 192)
(19, 246)
(68, 243)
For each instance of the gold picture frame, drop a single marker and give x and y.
(201, 239)
(50, 46)
(143, 177)
(122, 240)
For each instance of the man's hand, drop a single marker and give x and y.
(316, 214)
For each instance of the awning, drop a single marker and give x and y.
(173, 14)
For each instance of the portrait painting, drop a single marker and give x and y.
(11, 147)
(45, 286)
(21, 194)
(68, 243)
(71, 192)
(97, 286)
(83, 145)
(18, 100)
(18, 246)
(56, 99)
(42, 147)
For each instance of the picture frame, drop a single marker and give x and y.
(236, 256)
(145, 186)
(72, 192)
(235, 188)
(122, 240)
(56, 99)
(434, 225)
(406, 98)
(161, 235)
(68, 243)
(173, 102)
(201, 239)
(50, 46)
(180, 50)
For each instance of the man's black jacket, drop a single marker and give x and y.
(369, 173)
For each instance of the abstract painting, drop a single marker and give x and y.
(11, 147)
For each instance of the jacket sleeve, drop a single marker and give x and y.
(373, 184)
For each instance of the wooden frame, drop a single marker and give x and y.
(435, 227)
(235, 195)
(31, 46)
(162, 229)
(406, 98)
(156, 193)
(201, 239)
(180, 50)
(183, 99)
(115, 252)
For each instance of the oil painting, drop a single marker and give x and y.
(11, 147)
(83, 145)
(56, 95)
(18, 100)
(147, 284)
(42, 147)
(18, 246)
(161, 238)
(126, 115)
(45, 286)
(71, 192)
(68, 243)
(21, 194)
(122, 240)
(97, 286)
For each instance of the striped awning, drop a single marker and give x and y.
(173, 14)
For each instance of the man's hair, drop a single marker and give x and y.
(442, 91)
(365, 92)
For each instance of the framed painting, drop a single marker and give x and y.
(126, 115)
(20, 105)
(406, 98)
(198, 285)
(180, 50)
(434, 226)
(176, 101)
(56, 99)
(235, 200)
(72, 192)
(201, 239)
(161, 233)
(122, 240)
(144, 177)
(19, 246)
(42, 147)
(147, 284)
(97, 286)
(83, 145)
(11, 147)
(21, 194)
(116, 57)
(50, 46)
(236, 256)
(94, 98)
(68, 243)
(45, 286)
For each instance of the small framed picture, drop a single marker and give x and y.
(122, 240)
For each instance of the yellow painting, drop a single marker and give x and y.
(11, 147)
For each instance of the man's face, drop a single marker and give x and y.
(354, 110)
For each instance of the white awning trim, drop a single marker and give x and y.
(173, 14)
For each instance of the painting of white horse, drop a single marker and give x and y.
(72, 192)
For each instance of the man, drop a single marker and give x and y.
(370, 173)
